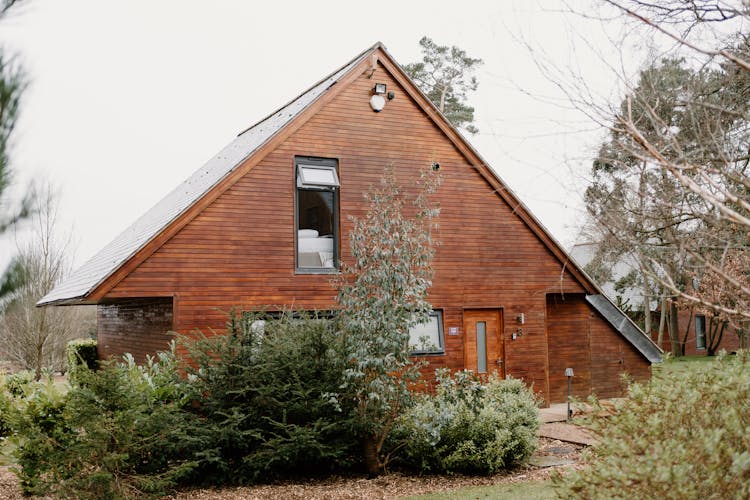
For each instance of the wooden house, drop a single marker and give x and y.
(265, 222)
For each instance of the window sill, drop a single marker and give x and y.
(428, 354)
(312, 270)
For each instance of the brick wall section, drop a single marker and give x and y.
(137, 326)
(730, 342)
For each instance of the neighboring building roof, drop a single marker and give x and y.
(583, 253)
(123, 247)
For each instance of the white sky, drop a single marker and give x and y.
(128, 98)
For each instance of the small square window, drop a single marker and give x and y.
(427, 338)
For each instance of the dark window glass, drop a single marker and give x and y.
(700, 331)
(317, 214)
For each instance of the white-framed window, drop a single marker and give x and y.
(700, 331)
(316, 214)
(427, 338)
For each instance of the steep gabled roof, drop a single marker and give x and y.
(102, 265)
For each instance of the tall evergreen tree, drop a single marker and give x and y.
(445, 75)
(12, 84)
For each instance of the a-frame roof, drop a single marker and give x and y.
(78, 287)
(104, 270)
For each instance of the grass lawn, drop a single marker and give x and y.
(683, 364)
(529, 490)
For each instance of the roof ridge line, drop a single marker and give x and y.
(329, 75)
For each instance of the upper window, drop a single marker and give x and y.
(427, 338)
(700, 331)
(317, 214)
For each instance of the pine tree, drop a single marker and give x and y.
(445, 75)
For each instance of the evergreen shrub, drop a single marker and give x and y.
(470, 426)
(120, 431)
(81, 352)
(268, 394)
(682, 435)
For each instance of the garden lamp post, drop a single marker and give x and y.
(569, 374)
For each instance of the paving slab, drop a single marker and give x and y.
(569, 433)
(549, 461)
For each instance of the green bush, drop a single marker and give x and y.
(470, 427)
(121, 431)
(683, 435)
(18, 391)
(81, 352)
(267, 393)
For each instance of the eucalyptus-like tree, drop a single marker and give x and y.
(382, 293)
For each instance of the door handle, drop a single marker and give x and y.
(499, 362)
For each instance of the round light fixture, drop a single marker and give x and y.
(377, 102)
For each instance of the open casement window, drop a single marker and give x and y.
(316, 232)
(427, 338)
(700, 331)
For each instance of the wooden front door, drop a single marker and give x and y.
(483, 341)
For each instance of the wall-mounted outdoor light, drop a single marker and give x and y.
(377, 101)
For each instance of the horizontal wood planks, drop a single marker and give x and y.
(611, 356)
(569, 346)
(239, 251)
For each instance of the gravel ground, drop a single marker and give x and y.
(393, 485)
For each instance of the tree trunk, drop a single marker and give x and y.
(38, 362)
(674, 332)
(683, 344)
(662, 321)
(371, 452)
(716, 330)
(442, 99)
(646, 304)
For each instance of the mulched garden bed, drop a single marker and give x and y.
(392, 485)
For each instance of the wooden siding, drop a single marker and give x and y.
(569, 341)
(611, 356)
(239, 251)
(138, 326)
(582, 339)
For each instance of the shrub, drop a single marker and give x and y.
(121, 431)
(31, 409)
(470, 427)
(81, 352)
(267, 393)
(683, 435)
